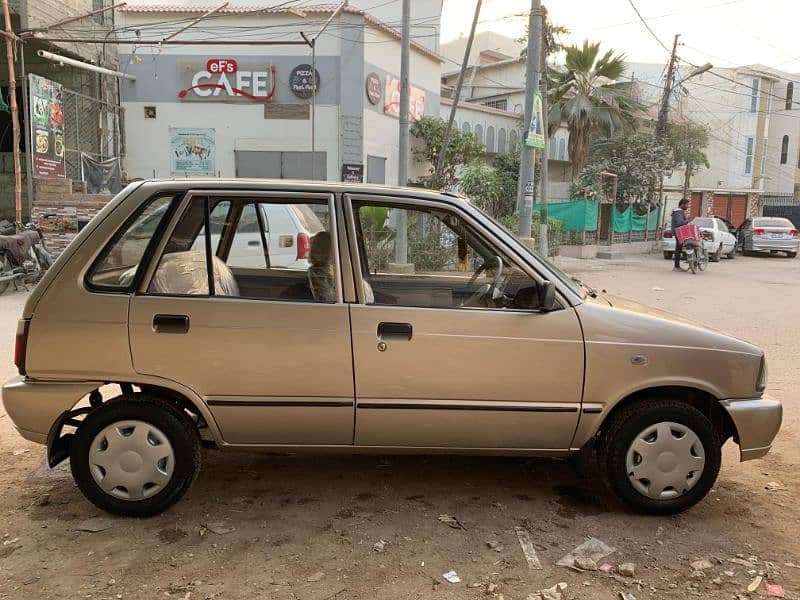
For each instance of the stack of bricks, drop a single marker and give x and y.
(69, 204)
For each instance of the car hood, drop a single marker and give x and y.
(637, 323)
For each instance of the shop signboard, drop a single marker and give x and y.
(302, 83)
(226, 80)
(352, 173)
(373, 85)
(192, 151)
(416, 100)
(47, 130)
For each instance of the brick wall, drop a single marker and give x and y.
(70, 206)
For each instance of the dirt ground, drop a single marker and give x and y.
(305, 527)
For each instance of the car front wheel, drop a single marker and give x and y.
(716, 256)
(667, 255)
(135, 456)
(660, 456)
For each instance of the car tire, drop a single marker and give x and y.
(628, 431)
(791, 254)
(135, 429)
(717, 256)
(732, 254)
(667, 255)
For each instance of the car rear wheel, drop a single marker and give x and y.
(716, 256)
(667, 255)
(791, 254)
(660, 456)
(135, 456)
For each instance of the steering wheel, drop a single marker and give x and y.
(485, 291)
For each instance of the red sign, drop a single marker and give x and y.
(222, 65)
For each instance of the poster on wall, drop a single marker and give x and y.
(47, 131)
(192, 151)
(352, 173)
(416, 100)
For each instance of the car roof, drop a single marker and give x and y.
(302, 185)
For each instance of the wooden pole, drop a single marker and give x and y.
(12, 101)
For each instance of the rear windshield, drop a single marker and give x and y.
(307, 218)
(704, 222)
(773, 222)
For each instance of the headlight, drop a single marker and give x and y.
(761, 382)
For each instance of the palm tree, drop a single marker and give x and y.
(586, 95)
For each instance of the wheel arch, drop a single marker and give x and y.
(704, 401)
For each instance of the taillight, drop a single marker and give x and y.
(21, 344)
(759, 231)
(708, 236)
(793, 233)
(667, 234)
(303, 245)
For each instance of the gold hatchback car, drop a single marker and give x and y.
(299, 315)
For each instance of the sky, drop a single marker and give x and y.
(724, 32)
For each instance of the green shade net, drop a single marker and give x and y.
(629, 220)
(576, 215)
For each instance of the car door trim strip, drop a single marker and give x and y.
(283, 403)
(452, 406)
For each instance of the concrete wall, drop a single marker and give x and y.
(780, 178)
(484, 40)
(425, 18)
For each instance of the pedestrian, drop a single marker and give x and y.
(678, 219)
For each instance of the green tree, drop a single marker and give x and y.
(462, 149)
(587, 95)
(688, 143)
(638, 160)
(493, 188)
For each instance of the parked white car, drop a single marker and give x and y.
(288, 229)
(719, 238)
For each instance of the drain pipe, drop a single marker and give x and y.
(64, 60)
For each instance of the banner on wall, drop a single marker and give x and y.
(101, 176)
(535, 137)
(192, 151)
(416, 100)
(47, 130)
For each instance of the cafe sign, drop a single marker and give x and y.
(226, 80)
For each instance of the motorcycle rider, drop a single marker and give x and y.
(678, 219)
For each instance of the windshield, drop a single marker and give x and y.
(573, 284)
(779, 222)
(704, 222)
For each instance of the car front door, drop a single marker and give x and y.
(267, 347)
(442, 358)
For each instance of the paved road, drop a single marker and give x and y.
(305, 527)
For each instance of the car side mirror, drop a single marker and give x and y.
(536, 297)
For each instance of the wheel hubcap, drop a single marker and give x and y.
(131, 460)
(665, 461)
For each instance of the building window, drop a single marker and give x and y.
(513, 140)
(754, 95)
(501, 141)
(789, 94)
(466, 128)
(764, 158)
(479, 133)
(785, 149)
(501, 104)
(490, 139)
(749, 142)
(562, 149)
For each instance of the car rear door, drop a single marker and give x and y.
(433, 369)
(272, 361)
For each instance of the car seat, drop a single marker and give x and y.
(320, 272)
(185, 273)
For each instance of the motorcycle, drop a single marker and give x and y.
(24, 256)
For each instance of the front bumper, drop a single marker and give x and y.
(757, 423)
(34, 406)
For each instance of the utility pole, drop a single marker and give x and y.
(543, 231)
(12, 102)
(526, 169)
(663, 112)
(401, 238)
(446, 141)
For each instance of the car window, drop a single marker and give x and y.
(247, 260)
(424, 257)
(117, 265)
(772, 222)
(703, 222)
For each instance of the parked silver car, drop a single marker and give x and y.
(769, 234)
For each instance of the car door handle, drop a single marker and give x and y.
(171, 323)
(253, 243)
(394, 331)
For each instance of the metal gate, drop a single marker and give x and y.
(783, 205)
(280, 165)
